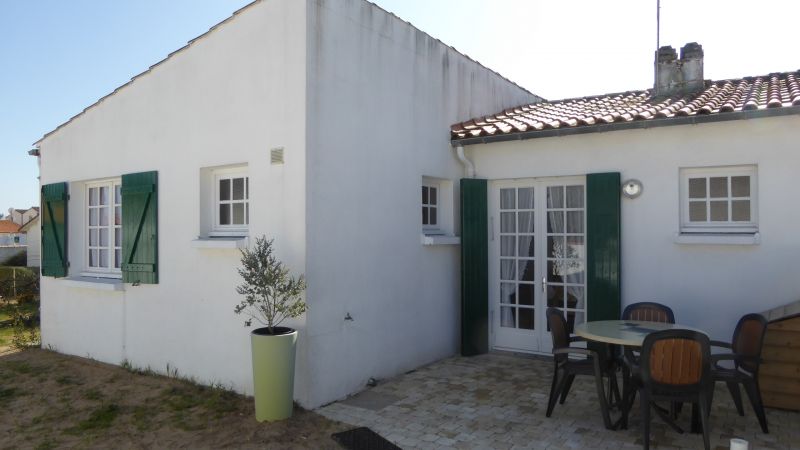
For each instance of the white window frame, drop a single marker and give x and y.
(431, 228)
(729, 227)
(110, 271)
(218, 229)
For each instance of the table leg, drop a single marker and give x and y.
(696, 426)
(626, 403)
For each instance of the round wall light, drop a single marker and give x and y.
(632, 188)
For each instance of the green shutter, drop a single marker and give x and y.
(474, 267)
(603, 245)
(140, 228)
(54, 230)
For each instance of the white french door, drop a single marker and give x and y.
(537, 258)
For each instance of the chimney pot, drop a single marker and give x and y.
(679, 76)
(666, 54)
(692, 50)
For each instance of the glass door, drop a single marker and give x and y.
(564, 280)
(537, 258)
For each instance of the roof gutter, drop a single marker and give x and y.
(633, 125)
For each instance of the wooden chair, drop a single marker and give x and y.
(565, 369)
(650, 311)
(748, 339)
(675, 367)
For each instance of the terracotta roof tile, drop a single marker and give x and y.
(776, 90)
(7, 226)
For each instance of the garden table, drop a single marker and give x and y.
(629, 334)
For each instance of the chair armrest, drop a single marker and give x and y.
(733, 357)
(573, 350)
(577, 339)
(721, 344)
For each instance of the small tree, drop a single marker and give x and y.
(271, 295)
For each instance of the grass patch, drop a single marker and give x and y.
(93, 394)
(67, 380)
(6, 394)
(47, 444)
(21, 367)
(100, 419)
(6, 336)
(143, 416)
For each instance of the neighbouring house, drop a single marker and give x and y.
(33, 239)
(704, 222)
(22, 216)
(323, 124)
(12, 240)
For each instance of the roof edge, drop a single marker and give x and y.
(188, 44)
(191, 41)
(632, 125)
(453, 48)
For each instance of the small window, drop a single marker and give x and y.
(430, 207)
(719, 200)
(104, 227)
(231, 202)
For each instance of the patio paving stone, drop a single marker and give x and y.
(498, 401)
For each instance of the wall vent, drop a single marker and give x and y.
(276, 156)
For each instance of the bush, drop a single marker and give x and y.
(19, 259)
(22, 281)
(26, 330)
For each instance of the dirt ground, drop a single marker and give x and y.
(48, 400)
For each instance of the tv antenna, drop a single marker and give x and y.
(658, 24)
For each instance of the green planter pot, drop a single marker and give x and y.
(273, 372)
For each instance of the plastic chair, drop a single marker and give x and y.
(566, 369)
(676, 367)
(746, 345)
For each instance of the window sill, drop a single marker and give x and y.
(220, 242)
(98, 284)
(440, 239)
(718, 238)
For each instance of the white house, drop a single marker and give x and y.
(33, 239)
(706, 222)
(318, 123)
(324, 124)
(22, 216)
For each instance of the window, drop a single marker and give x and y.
(231, 202)
(430, 203)
(104, 227)
(719, 200)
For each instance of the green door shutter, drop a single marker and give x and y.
(54, 230)
(474, 267)
(603, 245)
(140, 228)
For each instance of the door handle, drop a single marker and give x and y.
(544, 284)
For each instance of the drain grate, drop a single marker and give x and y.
(363, 439)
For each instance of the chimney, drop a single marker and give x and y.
(679, 76)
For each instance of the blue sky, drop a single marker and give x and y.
(57, 57)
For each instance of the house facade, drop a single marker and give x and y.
(676, 194)
(33, 240)
(12, 240)
(22, 216)
(280, 121)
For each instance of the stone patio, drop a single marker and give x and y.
(498, 401)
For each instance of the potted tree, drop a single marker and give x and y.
(271, 295)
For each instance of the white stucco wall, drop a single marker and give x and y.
(708, 286)
(382, 97)
(227, 99)
(34, 242)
